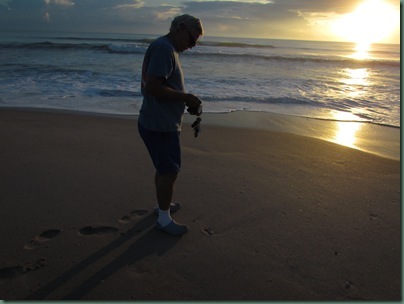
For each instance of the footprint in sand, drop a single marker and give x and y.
(98, 231)
(43, 237)
(131, 216)
(208, 231)
(15, 271)
(11, 272)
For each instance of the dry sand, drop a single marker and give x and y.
(272, 216)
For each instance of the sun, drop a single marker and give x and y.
(370, 22)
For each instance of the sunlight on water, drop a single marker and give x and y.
(362, 51)
(346, 130)
(347, 127)
(354, 80)
(356, 76)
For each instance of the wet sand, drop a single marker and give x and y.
(272, 215)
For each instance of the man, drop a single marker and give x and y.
(164, 102)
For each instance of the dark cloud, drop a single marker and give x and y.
(257, 19)
(329, 6)
(290, 19)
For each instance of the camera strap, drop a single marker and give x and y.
(197, 126)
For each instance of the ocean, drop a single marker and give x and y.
(100, 73)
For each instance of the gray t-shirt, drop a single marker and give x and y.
(162, 60)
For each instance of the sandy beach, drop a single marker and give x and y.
(272, 215)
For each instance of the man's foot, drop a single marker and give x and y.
(173, 208)
(173, 228)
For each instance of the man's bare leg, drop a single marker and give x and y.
(164, 191)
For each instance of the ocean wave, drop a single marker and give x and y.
(149, 40)
(118, 93)
(261, 100)
(294, 106)
(125, 49)
(110, 48)
(320, 60)
(51, 71)
(139, 46)
(118, 40)
(45, 45)
(234, 44)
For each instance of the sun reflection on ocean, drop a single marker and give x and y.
(361, 51)
(356, 77)
(347, 128)
(354, 81)
(347, 122)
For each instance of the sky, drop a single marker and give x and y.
(324, 20)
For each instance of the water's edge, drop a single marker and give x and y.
(380, 140)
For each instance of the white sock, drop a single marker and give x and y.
(164, 217)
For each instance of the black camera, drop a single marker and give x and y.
(195, 111)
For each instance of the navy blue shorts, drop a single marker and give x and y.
(164, 149)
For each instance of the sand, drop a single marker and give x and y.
(272, 215)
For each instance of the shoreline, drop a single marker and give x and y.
(380, 140)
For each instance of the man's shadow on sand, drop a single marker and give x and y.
(152, 242)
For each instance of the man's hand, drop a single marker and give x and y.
(194, 105)
(192, 101)
(156, 87)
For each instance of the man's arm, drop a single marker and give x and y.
(155, 86)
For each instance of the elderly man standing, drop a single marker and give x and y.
(161, 114)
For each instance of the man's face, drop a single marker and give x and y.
(188, 40)
(191, 39)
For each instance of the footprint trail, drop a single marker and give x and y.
(43, 237)
(98, 231)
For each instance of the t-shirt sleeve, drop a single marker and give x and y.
(160, 62)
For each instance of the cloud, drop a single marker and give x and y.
(5, 4)
(60, 2)
(288, 19)
(64, 3)
(240, 1)
(167, 13)
(223, 18)
(329, 6)
(137, 4)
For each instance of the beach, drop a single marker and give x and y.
(272, 215)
